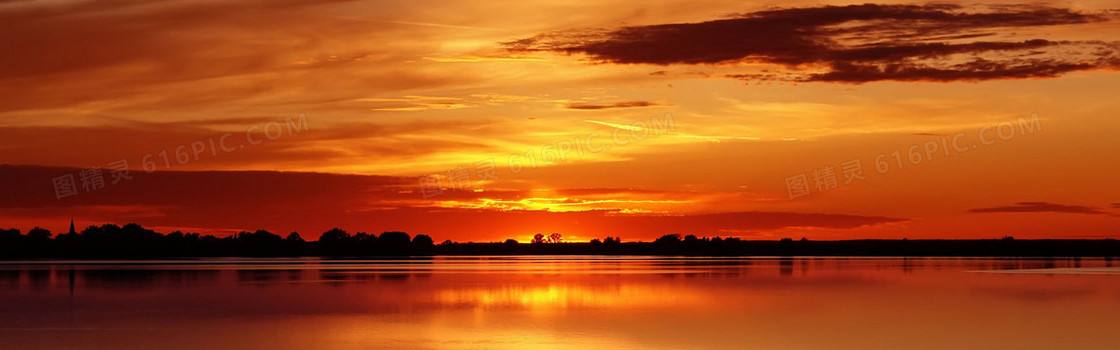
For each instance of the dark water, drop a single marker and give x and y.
(562, 303)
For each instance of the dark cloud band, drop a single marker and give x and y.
(1039, 207)
(854, 44)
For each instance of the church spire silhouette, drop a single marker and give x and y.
(72, 226)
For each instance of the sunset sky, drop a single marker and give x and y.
(481, 121)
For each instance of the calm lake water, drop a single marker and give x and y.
(562, 303)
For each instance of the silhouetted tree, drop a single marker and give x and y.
(668, 244)
(422, 245)
(511, 246)
(9, 235)
(611, 244)
(259, 243)
(668, 239)
(294, 237)
(555, 237)
(38, 234)
(394, 243)
(10, 242)
(365, 244)
(538, 238)
(294, 245)
(334, 235)
(334, 242)
(37, 241)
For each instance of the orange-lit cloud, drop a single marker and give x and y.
(312, 203)
(854, 43)
(1039, 207)
(630, 104)
(572, 120)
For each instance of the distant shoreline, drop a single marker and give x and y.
(1104, 248)
(135, 242)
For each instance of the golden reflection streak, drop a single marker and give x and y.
(556, 297)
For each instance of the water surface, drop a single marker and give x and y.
(561, 303)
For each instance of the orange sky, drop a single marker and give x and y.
(306, 115)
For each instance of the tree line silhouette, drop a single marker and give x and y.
(134, 241)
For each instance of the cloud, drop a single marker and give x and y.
(618, 126)
(419, 103)
(181, 54)
(314, 202)
(322, 143)
(1039, 207)
(83, 35)
(854, 44)
(628, 104)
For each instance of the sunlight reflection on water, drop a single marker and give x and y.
(560, 303)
